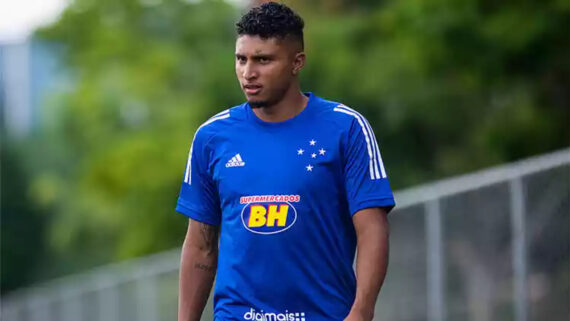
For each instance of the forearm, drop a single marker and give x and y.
(197, 273)
(371, 265)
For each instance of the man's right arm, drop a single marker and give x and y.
(197, 269)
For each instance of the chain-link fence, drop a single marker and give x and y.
(489, 246)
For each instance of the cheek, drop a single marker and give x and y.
(278, 73)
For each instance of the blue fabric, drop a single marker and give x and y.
(284, 194)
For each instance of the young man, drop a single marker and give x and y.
(292, 184)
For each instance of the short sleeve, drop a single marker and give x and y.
(365, 178)
(198, 198)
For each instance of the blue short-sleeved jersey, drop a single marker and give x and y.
(284, 194)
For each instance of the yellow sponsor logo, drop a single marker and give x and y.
(268, 218)
(260, 216)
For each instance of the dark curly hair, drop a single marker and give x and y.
(270, 20)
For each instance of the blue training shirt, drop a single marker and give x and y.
(284, 194)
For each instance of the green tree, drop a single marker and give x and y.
(146, 75)
(450, 86)
(23, 224)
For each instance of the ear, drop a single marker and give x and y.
(298, 62)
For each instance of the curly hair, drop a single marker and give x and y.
(271, 20)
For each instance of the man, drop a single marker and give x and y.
(292, 184)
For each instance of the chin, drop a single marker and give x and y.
(254, 103)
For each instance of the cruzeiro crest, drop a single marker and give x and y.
(311, 152)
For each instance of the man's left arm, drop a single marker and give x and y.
(372, 230)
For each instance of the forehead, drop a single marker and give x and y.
(251, 45)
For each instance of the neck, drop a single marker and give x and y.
(292, 103)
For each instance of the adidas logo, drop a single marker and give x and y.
(236, 161)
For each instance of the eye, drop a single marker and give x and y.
(263, 60)
(241, 60)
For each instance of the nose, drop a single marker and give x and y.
(249, 71)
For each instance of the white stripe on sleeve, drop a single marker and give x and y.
(365, 131)
(188, 176)
(378, 159)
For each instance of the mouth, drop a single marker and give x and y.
(252, 89)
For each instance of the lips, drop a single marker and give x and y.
(252, 89)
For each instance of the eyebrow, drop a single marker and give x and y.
(255, 56)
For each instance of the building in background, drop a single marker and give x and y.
(30, 76)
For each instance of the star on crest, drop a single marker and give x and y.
(309, 168)
(313, 155)
(300, 151)
(312, 142)
(322, 151)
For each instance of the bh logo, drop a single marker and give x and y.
(269, 214)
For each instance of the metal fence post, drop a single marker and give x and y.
(435, 276)
(71, 304)
(519, 249)
(109, 303)
(39, 308)
(10, 311)
(146, 298)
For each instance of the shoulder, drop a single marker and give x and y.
(339, 114)
(220, 122)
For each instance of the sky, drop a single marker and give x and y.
(18, 18)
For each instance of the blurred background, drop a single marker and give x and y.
(469, 99)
